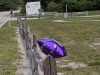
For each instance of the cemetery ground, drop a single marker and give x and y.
(81, 38)
(79, 35)
(8, 50)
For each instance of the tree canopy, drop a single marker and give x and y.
(73, 5)
(9, 4)
(54, 5)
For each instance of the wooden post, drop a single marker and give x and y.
(49, 66)
(34, 41)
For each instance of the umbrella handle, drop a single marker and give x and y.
(52, 50)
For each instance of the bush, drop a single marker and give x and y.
(98, 4)
(54, 7)
(23, 10)
(7, 5)
(82, 5)
(73, 5)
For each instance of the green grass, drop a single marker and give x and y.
(87, 13)
(85, 18)
(8, 50)
(97, 12)
(76, 36)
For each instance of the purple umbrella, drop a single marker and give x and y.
(52, 47)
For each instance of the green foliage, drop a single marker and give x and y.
(23, 10)
(73, 5)
(82, 5)
(98, 4)
(7, 5)
(54, 7)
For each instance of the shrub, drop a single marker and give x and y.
(54, 7)
(7, 5)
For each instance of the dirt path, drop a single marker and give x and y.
(25, 66)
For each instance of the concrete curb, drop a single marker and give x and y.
(3, 23)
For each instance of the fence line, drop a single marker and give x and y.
(41, 64)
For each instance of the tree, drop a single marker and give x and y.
(7, 5)
(73, 5)
(52, 6)
(98, 4)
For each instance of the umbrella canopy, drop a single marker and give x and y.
(52, 47)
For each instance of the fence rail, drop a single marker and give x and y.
(41, 64)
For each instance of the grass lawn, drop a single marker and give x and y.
(8, 50)
(87, 13)
(76, 36)
(97, 12)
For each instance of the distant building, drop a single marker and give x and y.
(32, 8)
